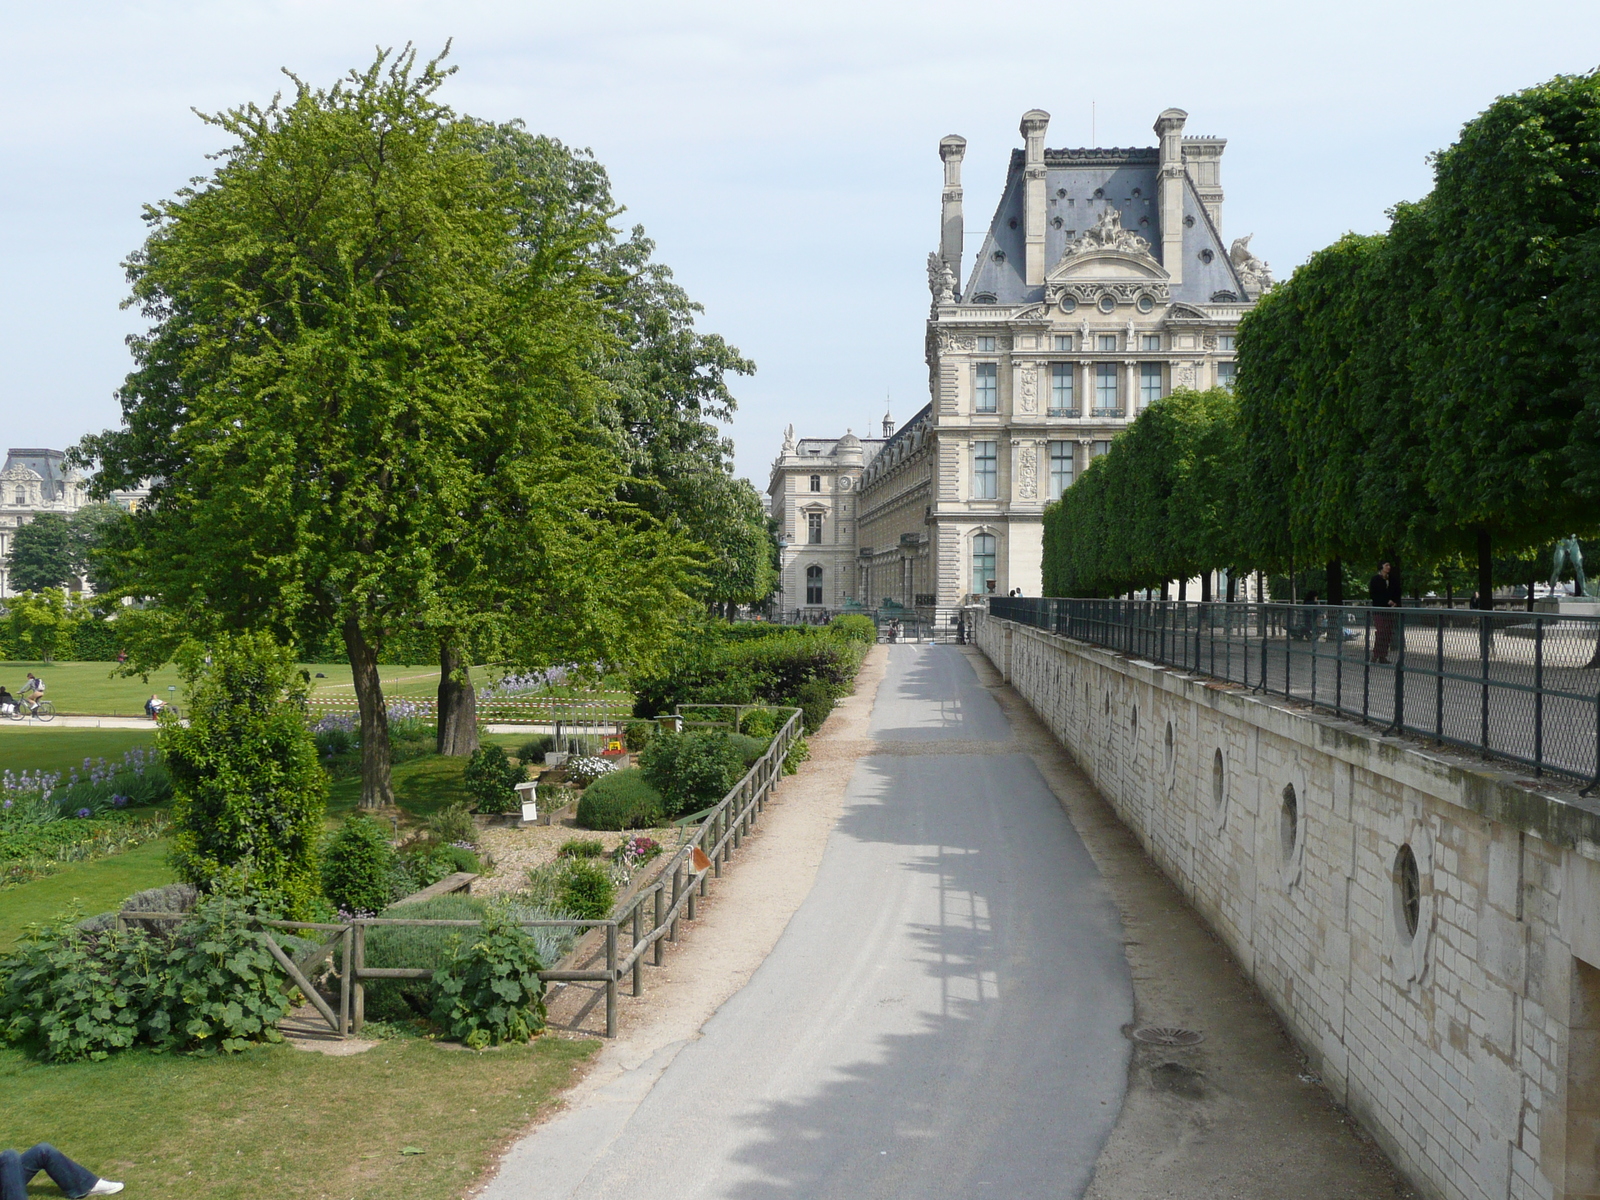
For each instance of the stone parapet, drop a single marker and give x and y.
(1427, 926)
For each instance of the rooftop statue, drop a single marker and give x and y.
(941, 280)
(1107, 233)
(1253, 272)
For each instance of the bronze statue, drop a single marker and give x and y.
(1568, 553)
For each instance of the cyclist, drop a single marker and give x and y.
(33, 692)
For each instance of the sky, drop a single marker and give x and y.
(783, 156)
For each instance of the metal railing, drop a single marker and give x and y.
(1519, 686)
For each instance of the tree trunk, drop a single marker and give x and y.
(1233, 588)
(1533, 579)
(1205, 587)
(458, 704)
(1183, 591)
(376, 789)
(1485, 571)
(1165, 592)
(1335, 594)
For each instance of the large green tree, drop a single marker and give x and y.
(358, 382)
(44, 554)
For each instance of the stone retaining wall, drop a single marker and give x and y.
(1470, 1048)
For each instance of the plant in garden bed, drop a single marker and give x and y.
(211, 985)
(585, 769)
(358, 866)
(490, 991)
(621, 800)
(35, 851)
(635, 851)
(691, 770)
(491, 779)
(582, 848)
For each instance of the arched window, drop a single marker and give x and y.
(816, 483)
(22, 496)
(813, 584)
(983, 564)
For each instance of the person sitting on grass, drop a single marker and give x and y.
(17, 1169)
(8, 702)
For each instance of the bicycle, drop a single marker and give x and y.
(42, 711)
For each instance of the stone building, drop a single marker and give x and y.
(38, 480)
(1102, 283)
(812, 497)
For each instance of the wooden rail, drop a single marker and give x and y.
(668, 898)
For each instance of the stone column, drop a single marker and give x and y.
(1169, 128)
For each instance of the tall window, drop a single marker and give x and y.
(816, 483)
(814, 528)
(1061, 390)
(1225, 372)
(813, 584)
(1108, 341)
(1105, 388)
(986, 393)
(1099, 448)
(985, 471)
(1063, 341)
(1060, 469)
(1152, 341)
(983, 563)
(986, 345)
(1149, 384)
(1225, 342)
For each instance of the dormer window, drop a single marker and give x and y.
(816, 483)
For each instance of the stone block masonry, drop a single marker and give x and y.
(1425, 925)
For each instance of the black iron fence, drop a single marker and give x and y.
(1516, 685)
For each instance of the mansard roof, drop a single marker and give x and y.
(1080, 184)
(48, 465)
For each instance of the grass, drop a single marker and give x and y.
(97, 886)
(51, 748)
(276, 1121)
(421, 786)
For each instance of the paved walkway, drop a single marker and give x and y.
(941, 1017)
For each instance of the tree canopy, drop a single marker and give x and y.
(369, 400)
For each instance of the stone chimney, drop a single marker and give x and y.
(1169, 128)
(951, 151)
(1203, 158)
(888, 425)
(1034, 123)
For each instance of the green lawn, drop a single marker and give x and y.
(277, 1121)
(52, 748)
(97, 886)
(421, 786)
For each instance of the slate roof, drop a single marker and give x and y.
(1127, 179)
(47, 464)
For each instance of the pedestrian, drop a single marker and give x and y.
(1383, 591)
(17, 1169)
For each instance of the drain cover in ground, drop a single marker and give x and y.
(1167, 1035)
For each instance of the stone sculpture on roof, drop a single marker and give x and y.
(941, 280)
(1253, 272)
(1107, 233)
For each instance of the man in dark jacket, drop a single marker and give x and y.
(1383, 591)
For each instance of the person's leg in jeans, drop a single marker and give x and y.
(72, 1179)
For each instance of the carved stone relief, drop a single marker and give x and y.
(1028, 387)
(1185, 375)
(1028, 474)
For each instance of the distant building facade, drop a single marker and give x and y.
(39, 480)
(1102, 284)
(812, 495)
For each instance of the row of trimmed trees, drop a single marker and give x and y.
(404, 378)
(1430, 394)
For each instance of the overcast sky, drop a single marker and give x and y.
(784, 157)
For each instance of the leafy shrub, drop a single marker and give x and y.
(490, 991)
(335, 741)
(748, 748)
(221, 988)
(250, 793)
(424, 862)
(554, 795)
(69, 994)
(358, 866)
(761, 723)
(798, 752)
(636, 735)
(490, 779)
(717, 663)
(535, 748)
(584, 770)
(582, 848)
(621, 800)
(586, 890)
(854, 627)
(815, 699)
(691, 770)
(454, 823)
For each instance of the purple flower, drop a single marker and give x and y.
(8, 803)
(119, 801)
(84, 812)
